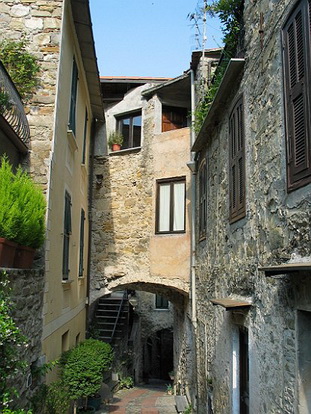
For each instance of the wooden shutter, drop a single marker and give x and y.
(202, 200)
(173, 118)
(296, 56)
(73, 97)
(237, 162)
(81, 259)
(67, 232)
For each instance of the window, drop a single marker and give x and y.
(202, 199)
(65, 341)
(161, 302)
(73, 97)
(67, 233)
(84, 137)
(130, 128)
(170, 217)
(297, 75)
(237, 163)
(81, 256)
(173, 118)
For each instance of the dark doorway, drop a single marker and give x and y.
(158, 355)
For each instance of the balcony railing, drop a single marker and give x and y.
(11, 107)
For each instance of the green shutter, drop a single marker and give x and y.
(81, 259)
(67, 232)
(73, 98)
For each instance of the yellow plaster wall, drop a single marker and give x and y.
(64, 306)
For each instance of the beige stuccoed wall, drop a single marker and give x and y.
(64, 308)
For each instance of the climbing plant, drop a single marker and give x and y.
(11, 340)
(230, 13)
(21, 65)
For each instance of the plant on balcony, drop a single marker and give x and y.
(82, 369)
(21, 65)
(5, 104)
(115, 140)
(22, 209)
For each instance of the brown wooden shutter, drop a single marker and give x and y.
(237, 162)
(296, 56)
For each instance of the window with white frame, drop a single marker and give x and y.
(170, 211)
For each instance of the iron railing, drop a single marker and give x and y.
(12, 108)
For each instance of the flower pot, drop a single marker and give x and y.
(94, 401)
(86, 410)
(24, 257)
(116, 147)
(7, 252)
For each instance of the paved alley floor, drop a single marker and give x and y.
(144, 399)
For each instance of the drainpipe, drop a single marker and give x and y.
(192, 167)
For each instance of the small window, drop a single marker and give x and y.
(67, 233)
(173, 118)
(65, 341)
(130, 128)
(202, 199)
(297, 75)
(81, 258)
(237, 163)
(73, 97)
(84, 137)
(161, 302)
(170, 217)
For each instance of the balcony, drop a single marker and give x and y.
(13, 121)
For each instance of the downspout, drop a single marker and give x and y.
(192, 166)
(90, 197)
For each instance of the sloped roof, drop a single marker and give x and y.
(83, 25)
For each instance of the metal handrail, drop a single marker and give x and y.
(14, 114)
(119, 313)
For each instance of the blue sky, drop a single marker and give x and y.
(147, 37)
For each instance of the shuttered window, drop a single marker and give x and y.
(237, 163)
(67, 233)
(202, 199)
(173, 118)
(81, 258)
(73, 97)
(84, 137)
(297, 60)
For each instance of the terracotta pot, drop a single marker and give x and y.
(7, 252)
(24, 257)
(116, 147)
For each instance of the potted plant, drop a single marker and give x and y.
(82, 370)
(22, 216)
(115, 140)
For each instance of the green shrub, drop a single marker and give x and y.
(126, 382)
(82, 368)
(11, 340)
(22, 207)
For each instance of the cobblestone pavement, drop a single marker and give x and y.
(145, 399)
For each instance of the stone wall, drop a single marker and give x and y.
(276, 228)
(40, 23)
(27, 297)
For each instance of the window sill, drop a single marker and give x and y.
(81, 280)
(84, 170)
(125, 151)
(72, 140)
(170, 233)
(66, 283)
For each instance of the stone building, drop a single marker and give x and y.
(140, 229)
(253, 252)
(62, 117)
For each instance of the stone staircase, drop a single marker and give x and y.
(112, 316)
